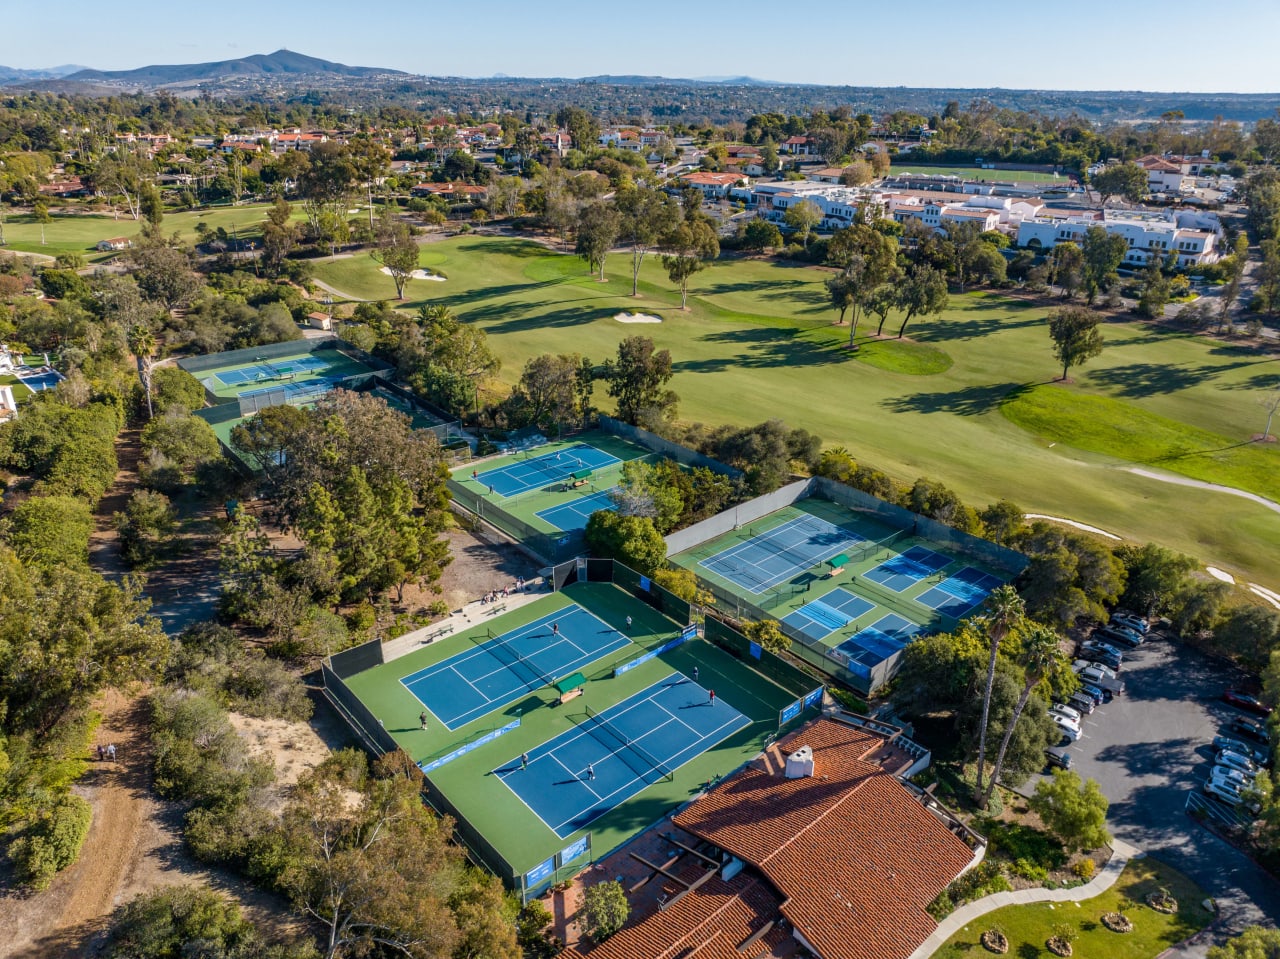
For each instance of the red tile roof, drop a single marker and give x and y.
(711, 923)
(857, 857)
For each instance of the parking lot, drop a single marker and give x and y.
(1150, 750)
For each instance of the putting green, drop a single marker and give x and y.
(758, 342)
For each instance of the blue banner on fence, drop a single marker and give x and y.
(539, 873)
(644, 583)
(575, 851)
(756, 650)
(688, 633)
(467, 747)
(790, 712)
(814, 699)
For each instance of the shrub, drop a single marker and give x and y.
(52, 842)
(1085, 869)
(604, 909)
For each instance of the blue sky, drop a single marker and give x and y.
(1192, 45)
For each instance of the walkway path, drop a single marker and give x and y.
(334, 291)
(470, 615)
(1200, 484)
(1121, 853)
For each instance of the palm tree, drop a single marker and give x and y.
(142, 343)
(1005, 610)
(1041, 654)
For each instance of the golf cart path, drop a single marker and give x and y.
(338, 293)
(1121, 853)
(1200, 484)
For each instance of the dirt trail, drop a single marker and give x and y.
(104, 551)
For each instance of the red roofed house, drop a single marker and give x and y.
(817, 843)
(714, 185)
(797, 146)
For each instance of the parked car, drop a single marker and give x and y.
(1103, 658)
(1246, 702)
(1249, 729)
(1099, 694)
(1098, 646)
(1082, 703)
(1083, 666)
(1058, 757)
(1235, 761)
(1064, 710)
(1126, 640)
(1238, 776)
(1244, 749)
(1131, 620)
(1229, 793)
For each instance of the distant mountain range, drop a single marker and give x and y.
(282, 63)
(15, 74)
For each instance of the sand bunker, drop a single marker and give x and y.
(637, 318)
(1219, 574)
(419, 275)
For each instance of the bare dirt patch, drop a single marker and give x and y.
(479, 566)
(292, 747)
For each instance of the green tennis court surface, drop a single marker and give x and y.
(531, 720)
(856, 588)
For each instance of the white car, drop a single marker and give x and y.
(1230, 793)
(1131, 621)
(1092, 672)
(1236, 761)
(1066, 711)
(1067, 727)
(1238, 776)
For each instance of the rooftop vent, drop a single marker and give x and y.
(800, 763)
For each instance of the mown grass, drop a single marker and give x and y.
(1028, 927)
(758, 342)
(1117, 428)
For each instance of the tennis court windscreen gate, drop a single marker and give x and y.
(628, 751)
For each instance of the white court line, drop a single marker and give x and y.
(577, 777)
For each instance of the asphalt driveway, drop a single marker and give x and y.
(1149, 751)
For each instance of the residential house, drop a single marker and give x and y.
(1166, 176)
(819, 844)
(67, 187)
(714, 186)
(839, 206)
(797, 146)
(298, 141)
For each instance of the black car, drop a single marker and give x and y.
(1058, 757)
(1115, 637)
(1109, 660)
(1248, 729)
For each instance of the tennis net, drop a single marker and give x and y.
(514, 661)
(870, 549)
(629, 751)
(558, 465)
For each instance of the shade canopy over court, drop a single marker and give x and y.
(610, 755)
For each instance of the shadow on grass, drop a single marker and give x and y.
(1259, 381)
(762, 348)
(1138, 380)
(970, 329)
(968, 401)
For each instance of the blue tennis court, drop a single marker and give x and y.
(824, 616)
(882, 638)
(312, 387)
(960, 593)
(498, 672)
(781, 553)
(628, 747)
(524, 475)
(270, 371)
(573, 516)
(908, 568)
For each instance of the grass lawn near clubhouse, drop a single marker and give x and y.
(80, 232)
(1027, 927)
(758, 342)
